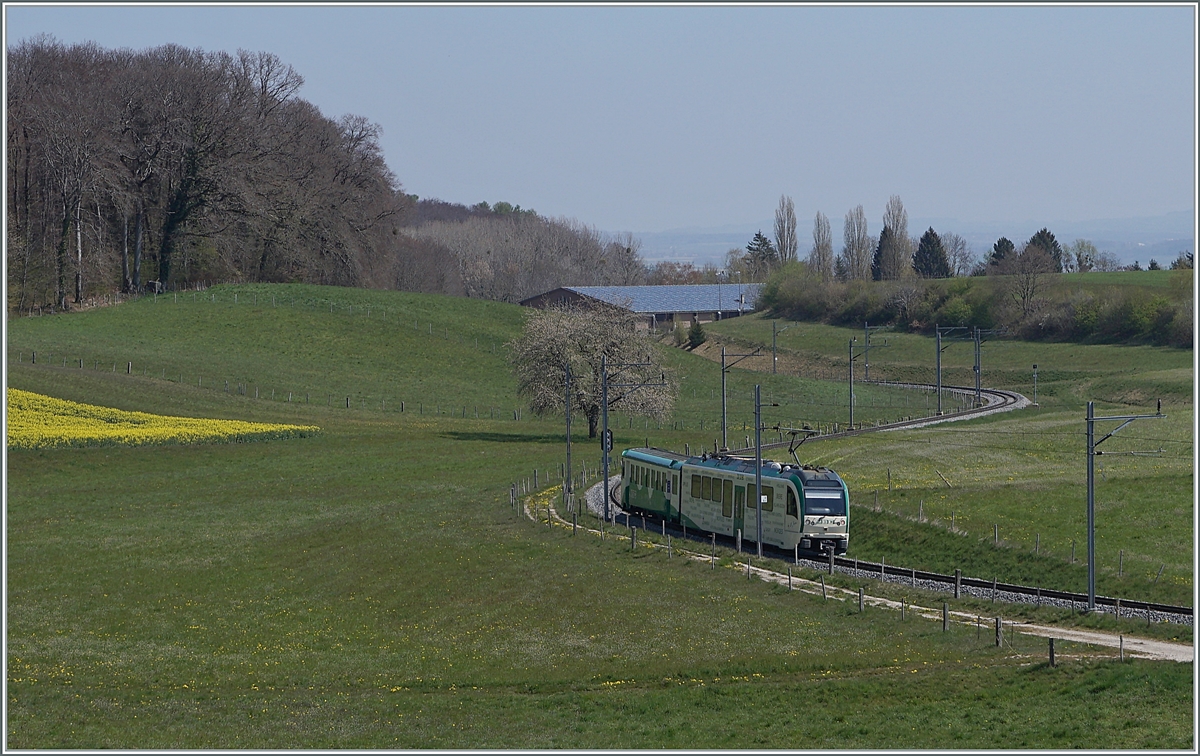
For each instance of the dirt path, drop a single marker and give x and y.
(1145, 648)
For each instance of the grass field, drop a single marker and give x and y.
(1026, 471)
(370, 587)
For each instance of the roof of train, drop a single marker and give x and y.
(809, 475)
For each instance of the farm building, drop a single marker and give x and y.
(662, 305)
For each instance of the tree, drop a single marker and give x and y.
(1184, 261)
(1046, 241)
(1080, 256)
(1153, 265)
(696, 335)
(857, 246)
(761, 256)
(958, 254)
(1026, 274)
(1106, 262)
(558, 338)
(820, 259)
(204, 164)
(930, 258)
(1000, 250)
(785, 230)
(895, 252)
(885, 241)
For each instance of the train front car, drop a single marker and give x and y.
(825, 509)
(805, 507)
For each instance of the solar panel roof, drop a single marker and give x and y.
(685, 298)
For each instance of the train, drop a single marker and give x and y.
(805, 507)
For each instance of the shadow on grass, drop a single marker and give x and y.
(508, 438)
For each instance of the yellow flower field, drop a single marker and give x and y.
(43, 422)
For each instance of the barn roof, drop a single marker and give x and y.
(685, 298)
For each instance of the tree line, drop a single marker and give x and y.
(166, 166)
(137, 170)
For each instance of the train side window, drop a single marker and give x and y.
(658, 479)
(697, 487)
(717, 490)
(792, 509)
(727, 505)
(707, 489)
(727, 493)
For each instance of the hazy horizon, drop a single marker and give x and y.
(656, 119)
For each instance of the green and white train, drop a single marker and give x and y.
(805, 507)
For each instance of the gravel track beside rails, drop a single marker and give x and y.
(1134, 646)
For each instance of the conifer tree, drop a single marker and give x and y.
(930, 259)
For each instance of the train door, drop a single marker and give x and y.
(739, 509)
(678, 514)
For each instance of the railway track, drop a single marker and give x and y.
(992, 400)
(958, 584)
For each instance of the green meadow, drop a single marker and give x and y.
(370, 586)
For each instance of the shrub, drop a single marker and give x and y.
(696, 335)
(1181, 326)
(954, 312)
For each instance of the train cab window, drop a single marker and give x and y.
(707, 489)
(697, 487)
(769, 504)
(792, 509)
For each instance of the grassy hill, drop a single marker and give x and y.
(1024, 472)
(370, 587)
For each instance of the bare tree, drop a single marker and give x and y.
(820, 259)
(962, 260)
(895, 216)
(1026, 274)
(785, 230)
(857, 246)
(903, 298)
(560, 338)
(896, 250)
(1106, 262)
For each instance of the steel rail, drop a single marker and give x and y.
(896, 571)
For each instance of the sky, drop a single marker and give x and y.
(653, 118)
